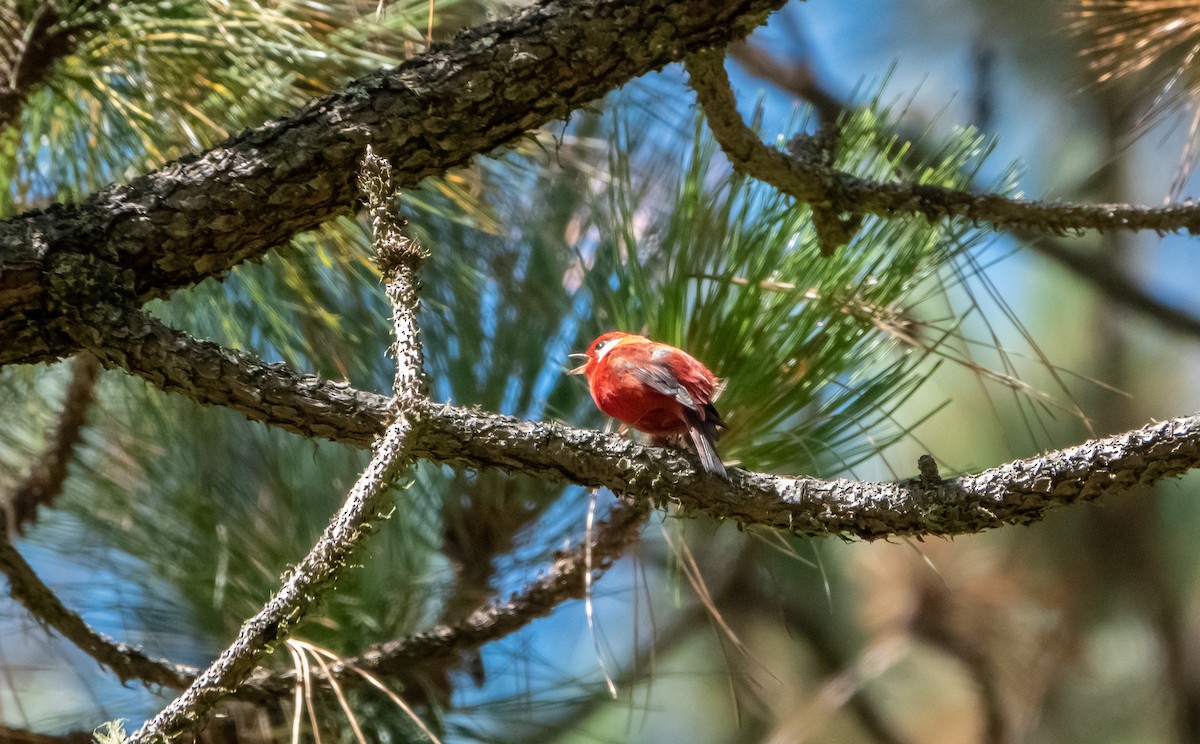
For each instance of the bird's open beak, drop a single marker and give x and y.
(580, 369)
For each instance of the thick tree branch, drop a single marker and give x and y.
(1017, 493)
(46, 476)
(809, 180)
(204, 214)
(126, 662)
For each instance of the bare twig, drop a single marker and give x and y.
(809, 180)
(125, 661)
(45, 479)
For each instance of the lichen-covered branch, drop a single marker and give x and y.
(366, 501)
(1095, 268)
(1017, 493)
(398, 658)
(301, 588)
(809, 180)
(563, 582)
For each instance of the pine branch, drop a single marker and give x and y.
(564, 581)
(33, 37)
(202, 215)
(126, 662)
(1017, 493)
(808, 179)
(1100, 272)
(46, 476)
(315, 575)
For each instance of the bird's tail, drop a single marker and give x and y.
(703, 435)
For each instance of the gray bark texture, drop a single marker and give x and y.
(204, 214)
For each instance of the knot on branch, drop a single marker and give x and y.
(834, 228)
(927, 470)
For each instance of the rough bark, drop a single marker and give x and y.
(204, 214)
(1017, 493)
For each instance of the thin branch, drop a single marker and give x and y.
(1115, 283)
(799, 79)
(398, 259)
(565, 581)
(46, 476)
(125, 661)
(808, 179)
(10, 735)
(1102, 273)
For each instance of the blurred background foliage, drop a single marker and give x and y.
(177, 520)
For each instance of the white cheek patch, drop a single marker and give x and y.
(607, 348)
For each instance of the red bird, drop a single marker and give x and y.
(657, 389)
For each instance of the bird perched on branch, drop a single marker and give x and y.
(657, 389)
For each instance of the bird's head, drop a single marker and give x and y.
(603, 344)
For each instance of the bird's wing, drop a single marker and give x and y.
(652, 370)
(659, 378)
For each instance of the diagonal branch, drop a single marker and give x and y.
(809, 180)
(315, 575)
(565, 581)
(398, 658)
(202, 215)
(1116, 284)
(41, 602)
(46, 476)
(301, 588)
(1106, 276)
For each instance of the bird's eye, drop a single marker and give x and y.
(601, 345)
